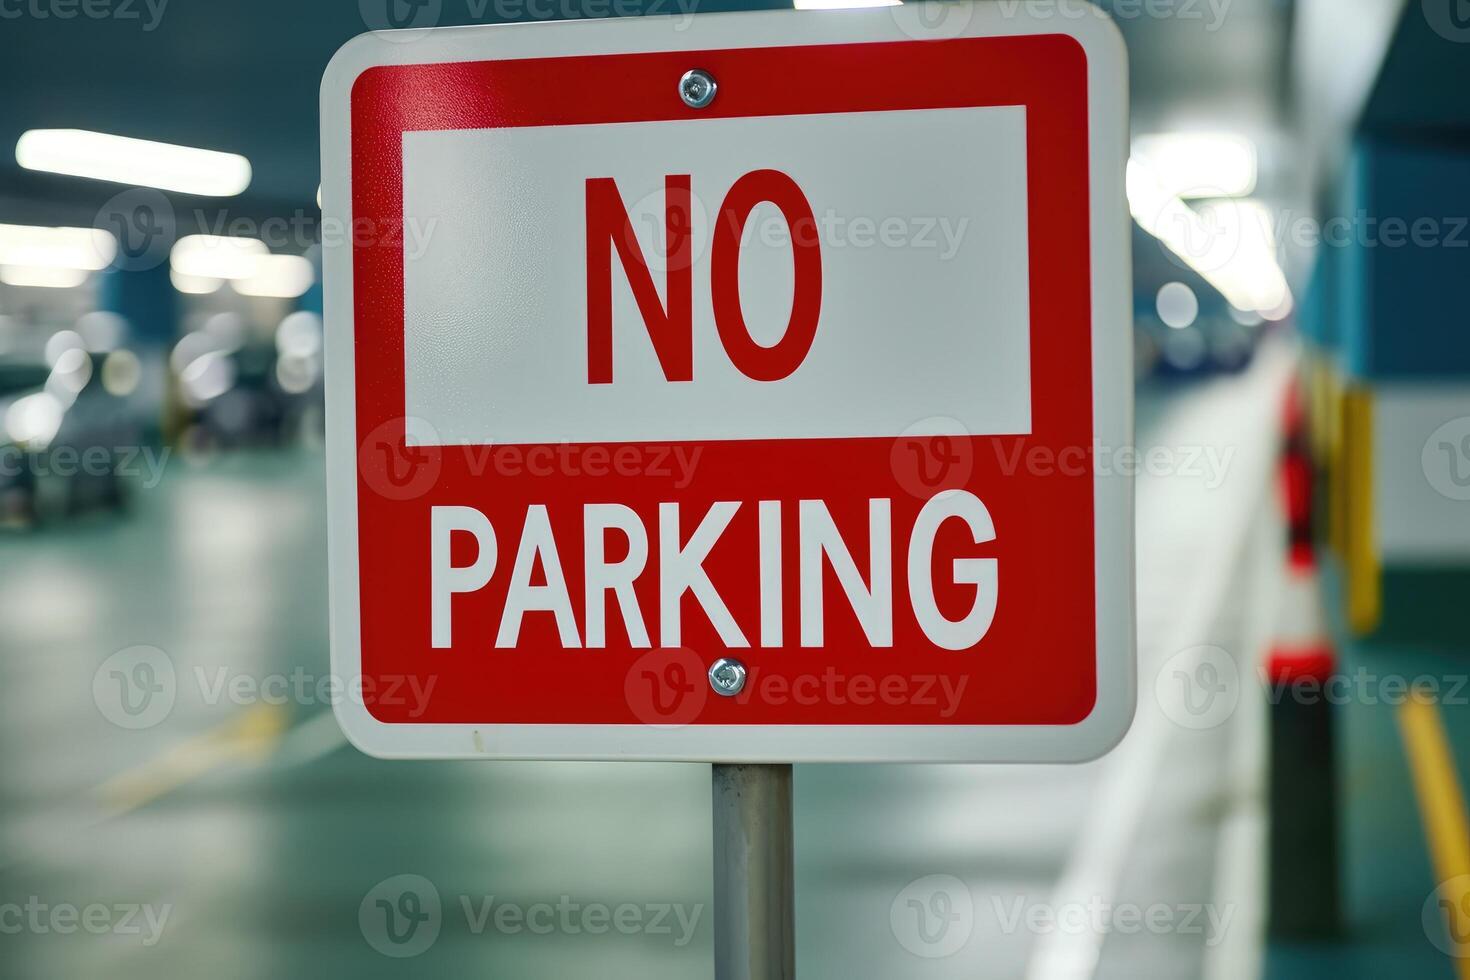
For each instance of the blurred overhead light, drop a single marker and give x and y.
(40, 275)
(281, 276)
(1229, 242)
(194, 285)
(56, 248)
(216, 256)
(143, 163)
(1194, 165)
(33, 421)
(1252, 274)
(59, 343)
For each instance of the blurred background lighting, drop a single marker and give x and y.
(281, 276)
(207, 376)
(121, 372)
(194, 285)
(59, 343)
(101, 330)
(216, 257)
(33, 420)
(1228, 241)
(300, 335)
(40, 275)
(36, 246)
(142, 163)
(1200, 164)
(70, 375)
(1176, 304)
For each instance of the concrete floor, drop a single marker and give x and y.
(260, 844)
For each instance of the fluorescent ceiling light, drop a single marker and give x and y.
(50, 277)
(1229, 242)
(1193, 165)
(143, 163)
(282, 276)
(216, 256)
(194, 285)
(56, 248)
(843, 4)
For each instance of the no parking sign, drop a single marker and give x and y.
(728, 388)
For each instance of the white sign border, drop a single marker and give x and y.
(1112, 388)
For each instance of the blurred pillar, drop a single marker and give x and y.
(1303, 890)
(147, 300)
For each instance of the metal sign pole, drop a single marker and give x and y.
(754, 914)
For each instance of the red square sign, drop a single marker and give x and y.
(731, 393)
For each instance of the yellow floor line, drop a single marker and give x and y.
(250, 736)
(1442, 806)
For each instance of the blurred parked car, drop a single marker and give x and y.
(62, 440)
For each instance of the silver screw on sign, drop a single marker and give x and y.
(697, 88)
(727, 677)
